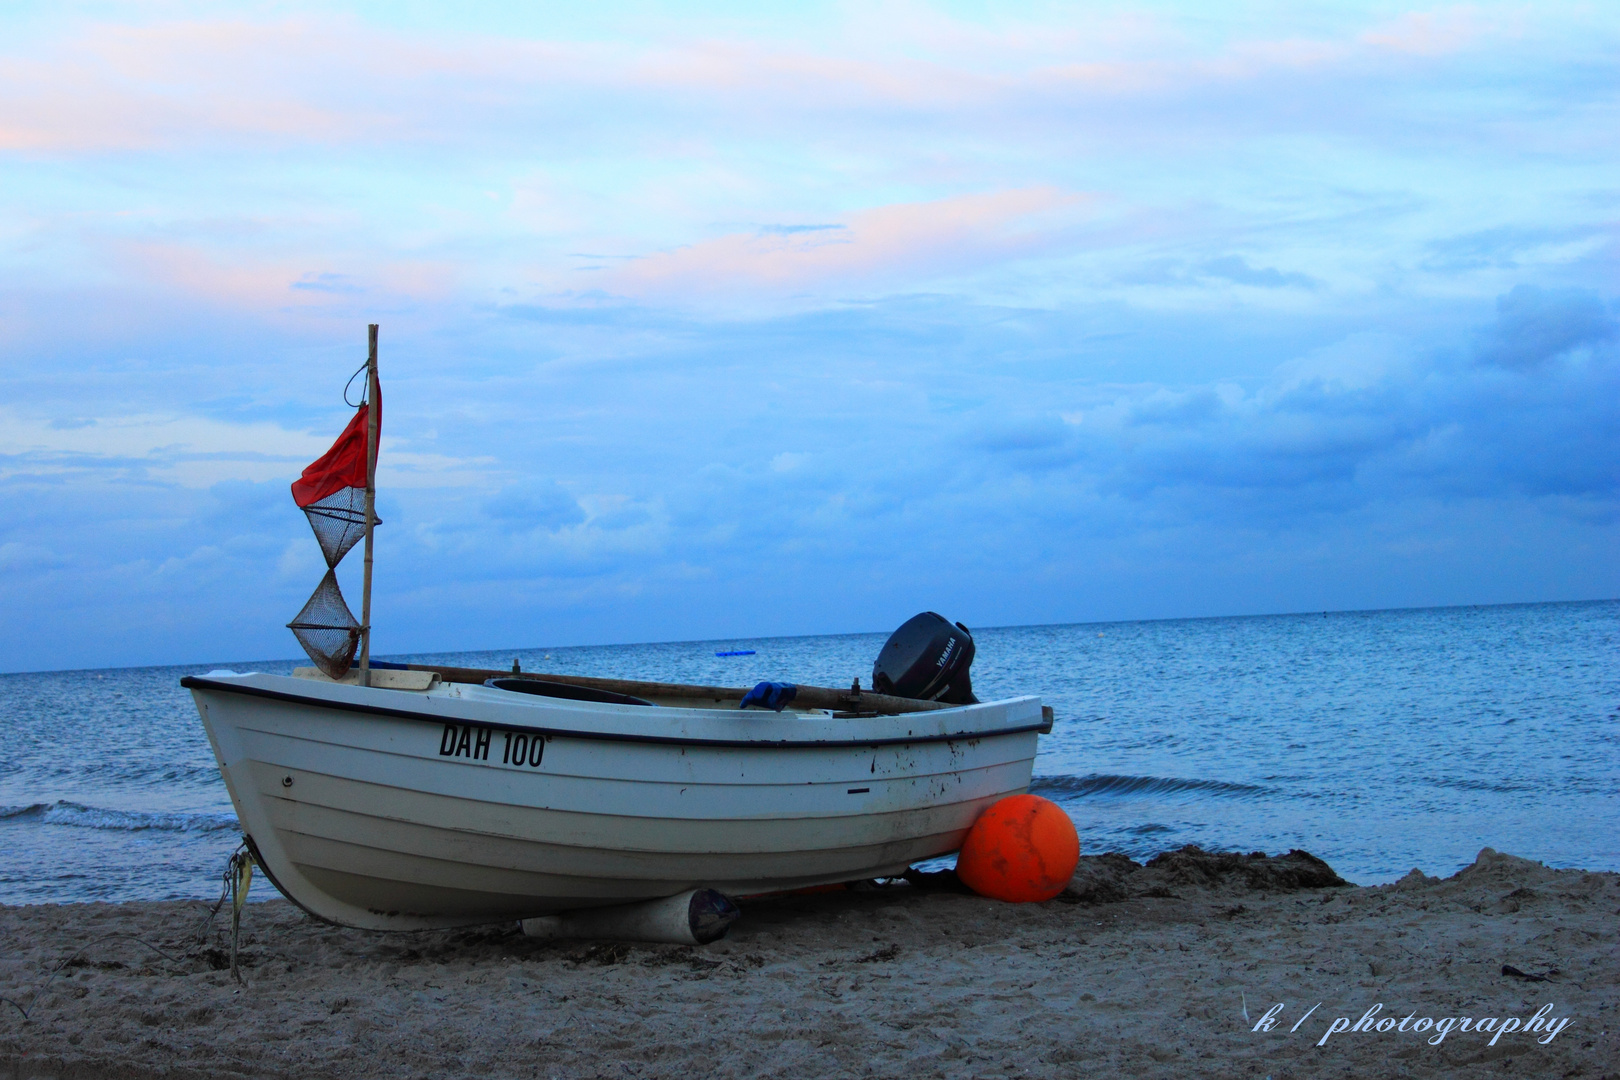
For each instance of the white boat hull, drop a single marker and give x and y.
(395, 810)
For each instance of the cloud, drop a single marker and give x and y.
(1535, 325)
(1013, 437)
(1511, 247)
(1422, 427)
(189, 450)
(1236, 269)
(192, 452)
(225, 271)
(535, 504)
(1356, 362)
(337, 167)
(710, 325)
(1433, 33)
(138, 87)
(325, 79)
(871, 249)
(28, 557)
(693, 488)
(328, 283)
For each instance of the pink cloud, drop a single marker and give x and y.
(897, 244)
(307, 81)
(1431, 33)
(253, 281)
(140, 87)
(332, 80)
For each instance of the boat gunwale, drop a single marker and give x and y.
(199, 682)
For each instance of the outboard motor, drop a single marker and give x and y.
(927, 659)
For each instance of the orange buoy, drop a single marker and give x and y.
(1022, 849)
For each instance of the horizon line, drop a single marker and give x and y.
(844, 633)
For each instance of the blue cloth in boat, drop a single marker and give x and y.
(770, 695)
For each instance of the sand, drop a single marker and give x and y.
(1138, 971)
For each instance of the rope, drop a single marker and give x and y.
(234, 885)
(239, 873)
(226, 878)
(356, 375)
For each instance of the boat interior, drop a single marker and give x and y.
(843, 704)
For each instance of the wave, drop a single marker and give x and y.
(1478, 785)
(76, 815)
(105, 772)
(1107, 785)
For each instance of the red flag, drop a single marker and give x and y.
(341, 467)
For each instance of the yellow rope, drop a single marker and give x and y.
(241, 877)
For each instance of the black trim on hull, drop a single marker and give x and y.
(193, 682)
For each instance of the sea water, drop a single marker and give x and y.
(1378, 740)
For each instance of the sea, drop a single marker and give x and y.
(1378, 740)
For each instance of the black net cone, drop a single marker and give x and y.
(339, 521)
(327, 629)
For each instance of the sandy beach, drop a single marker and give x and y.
(1162, 970)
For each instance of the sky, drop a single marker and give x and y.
(714, 321)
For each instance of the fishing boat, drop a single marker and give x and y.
(431, 801)
(404, 797)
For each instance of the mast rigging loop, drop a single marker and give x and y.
(356, 404)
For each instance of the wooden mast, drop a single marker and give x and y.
(372, 395)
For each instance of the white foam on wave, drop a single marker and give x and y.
(1110, 785)
(79, 816)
